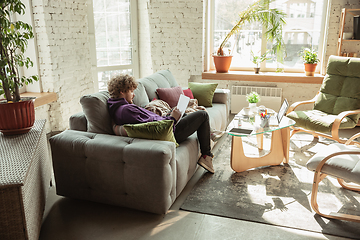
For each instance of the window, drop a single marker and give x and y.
(113, 38)
(305, 28)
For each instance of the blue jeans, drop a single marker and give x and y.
(196, 121)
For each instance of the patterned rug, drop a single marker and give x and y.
(277, 195)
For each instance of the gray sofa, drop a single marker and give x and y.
(92, 163)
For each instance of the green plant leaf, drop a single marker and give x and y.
(14, 36)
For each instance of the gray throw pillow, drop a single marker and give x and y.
(141, 98)
(95, 109)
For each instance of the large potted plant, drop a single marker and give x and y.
(272, 19)
(310, 58)
(17, 115)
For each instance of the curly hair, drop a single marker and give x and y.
(121, 83)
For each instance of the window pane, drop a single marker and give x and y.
(112, 32)
(104, 77)
(303, 27)
(241, 44)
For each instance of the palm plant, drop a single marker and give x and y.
(272, 19)
(14, 36)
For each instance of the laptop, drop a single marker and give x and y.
(275, 120)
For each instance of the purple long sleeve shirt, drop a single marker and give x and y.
(123, 112)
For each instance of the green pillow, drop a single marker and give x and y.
(157, 130)
(203, 92)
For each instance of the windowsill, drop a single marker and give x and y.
(263, 77)
(41, 98)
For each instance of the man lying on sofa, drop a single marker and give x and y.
(123, 111)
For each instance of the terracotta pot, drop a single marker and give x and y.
(17, 117)
(222, 63)
(310, 69)
(257, 70)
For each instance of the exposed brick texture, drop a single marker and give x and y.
(64, 56)
(334, 24)
(170, 37)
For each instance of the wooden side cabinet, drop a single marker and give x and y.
(344, 12)
(25, 174)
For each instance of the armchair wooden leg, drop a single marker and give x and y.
(350, 186)
(318, 177)
(293, 131)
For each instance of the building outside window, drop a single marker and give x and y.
(305, 28)
(113, 37)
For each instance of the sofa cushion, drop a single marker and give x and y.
(160, 79)
(170, 95)
(96, 112)
(157, 130)
(188, 93)
(141, 98)
(203, 92)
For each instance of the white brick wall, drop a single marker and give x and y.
(334, 24)
(171, 34)
(170, 37)
(64, 56)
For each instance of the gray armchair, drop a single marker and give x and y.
(341, 161)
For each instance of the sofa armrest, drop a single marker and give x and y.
(221, 96)
(78, 122)
(122, 171)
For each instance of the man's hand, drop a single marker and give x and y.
(176, 113)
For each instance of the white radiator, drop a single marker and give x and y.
(270, 97)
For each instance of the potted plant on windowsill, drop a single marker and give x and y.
(272, 19)
(257, 60)
(310, 59)
(17, 115)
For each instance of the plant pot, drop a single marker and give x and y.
(257, 70)
(252, 107)
(310, 69)
(17, 117)
(222, 63)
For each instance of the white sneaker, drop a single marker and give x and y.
(206, 162)
(216, 135)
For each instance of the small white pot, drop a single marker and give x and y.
(252, 107)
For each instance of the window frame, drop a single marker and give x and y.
(209, 43)
(134, 66)
(31, 52)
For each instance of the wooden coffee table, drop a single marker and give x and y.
(280, 141)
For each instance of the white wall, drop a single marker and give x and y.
(64, 57)
(334, 24)
(170, 37)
